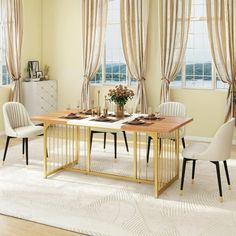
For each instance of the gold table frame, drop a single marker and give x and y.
(166, 156)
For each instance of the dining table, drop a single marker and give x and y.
(67, 144)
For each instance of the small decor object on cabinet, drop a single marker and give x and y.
(39, 74)
(120, 95)
(46, 72)
(33, 67)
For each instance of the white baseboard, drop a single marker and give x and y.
(203, 139)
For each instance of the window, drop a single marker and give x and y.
(4, 78)
(198, 70)
(113, 69)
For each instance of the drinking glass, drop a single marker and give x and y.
(78, 106)
(138, 110)
(130, 110)
(68, 107)
(149, 111)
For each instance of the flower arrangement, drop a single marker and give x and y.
(120, 95)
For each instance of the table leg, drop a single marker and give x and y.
(88, 163)
(45, 164)
(177, 151)
(135, 154)
(77, 144)
(156, 157)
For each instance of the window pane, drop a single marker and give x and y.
(208, 69)
(97, 79)
(220, 84)
(178, 80)
(189, 69)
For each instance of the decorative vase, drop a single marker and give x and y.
(119, 111)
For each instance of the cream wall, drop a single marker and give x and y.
(32, 43)
(32, 36)
(62, 47)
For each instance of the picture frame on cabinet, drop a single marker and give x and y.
(33, 67)
(39, 74)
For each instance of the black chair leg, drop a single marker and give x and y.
(91, 140)
(218, 176)
(193, 170)
(126, 143)
(227, 173)
(6, 147)
(148, 147)
(183, 173)
(104, 141)
(183, 142)
(23, 146)
(115, 144)
(26, 151)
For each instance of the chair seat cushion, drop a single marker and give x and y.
(28, 131)
(195, 148)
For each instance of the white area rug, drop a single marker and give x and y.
(100, 206)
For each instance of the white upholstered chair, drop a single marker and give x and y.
(218, 150)
(170, 109)
(18, 125)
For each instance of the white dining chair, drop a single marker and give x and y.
(170, 109)
(17, 124)
(218, 150)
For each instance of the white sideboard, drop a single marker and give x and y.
(40, 97)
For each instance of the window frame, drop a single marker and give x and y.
(183, 84)
(104, 82)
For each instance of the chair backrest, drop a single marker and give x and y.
(172, 109)
(14, 116)
(220, 147)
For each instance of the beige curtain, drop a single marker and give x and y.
(94, 26)
(13, 15)
(221, 19)
(134, 24)
(174, 28)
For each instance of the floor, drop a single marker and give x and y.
(10, 225)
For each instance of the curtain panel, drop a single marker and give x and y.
(174, 27)
(221, 20)
(13, 29)
(94, 27)
(134, 26)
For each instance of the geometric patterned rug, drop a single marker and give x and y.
(99, 206)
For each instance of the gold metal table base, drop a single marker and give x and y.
(62, 152)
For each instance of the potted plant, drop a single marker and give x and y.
(120, 96)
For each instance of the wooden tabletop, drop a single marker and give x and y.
(165, 125)
(54, 117)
